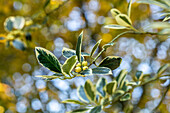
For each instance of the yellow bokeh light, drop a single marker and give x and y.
(2, 109)
(106, 37)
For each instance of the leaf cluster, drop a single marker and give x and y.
(67, 70)
(95, 97)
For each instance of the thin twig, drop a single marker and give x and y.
(57, 7)
(163, 97)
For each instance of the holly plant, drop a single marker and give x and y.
(94, 98)
(76, 63)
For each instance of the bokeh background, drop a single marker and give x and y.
(61, 22)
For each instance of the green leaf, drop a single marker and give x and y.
(81, 94)
(132, 84)
(111, 62)
(139, 75)
(90, 90)
(81, 110)
(18, 44)
(101, 71)
(95, 47)
(108, 45)
(121, 78)
(111, 87)
(165, 14)
(47, 77)
(160, 4)
(125, 87)
(114, 26)
(123, 20)
(67, 53)
(78, 46)
(162, 69)
(73, 102)
(115, 12)
(126, 97)
(86, 72)
(96, 109)
(166, 18)
(48, 59)
(69, 64)
(129, 8)
(105, 101)
(117, 94)
(100, 86)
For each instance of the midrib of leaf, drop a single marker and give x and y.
(125, 19)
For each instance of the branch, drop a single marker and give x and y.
(57, 8)
(163, 97)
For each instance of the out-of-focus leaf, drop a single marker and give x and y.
(160, 4)
(48, 59)
(101, 71)
(108, 45)
(100, 85)
(81, 94)
(162, 69)
(33, 27)
(139, 75)
(8, 24)
(111, 62)
(114, 26)
(123, 20)
(115, 12)
(160, 25)
(166, 18)
(86, 72)
(81, 110)
(46, 3)
(165, 14)
(90, 90)
(96, 109)
(18, 44)
(19, 22)
(126, 97)
(111, 87)
(3, 39)
(78, 46)
(69, 64)
(165, 31)
(129, 8)
(47, 77)
(95, 47)
(28, 36)
(73, 102)
(121, 78)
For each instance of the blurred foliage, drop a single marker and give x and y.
(54, 24)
